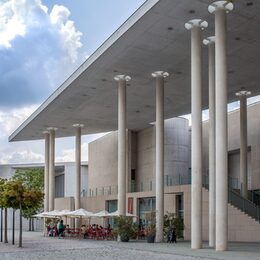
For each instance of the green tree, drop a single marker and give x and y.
(18, 195)
(32, 179)
(2, 206)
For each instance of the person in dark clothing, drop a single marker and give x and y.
(61, 229)
(171, 236)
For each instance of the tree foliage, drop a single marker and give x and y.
(31, 178)
(33, 182)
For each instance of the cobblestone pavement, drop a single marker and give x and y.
(35, 246)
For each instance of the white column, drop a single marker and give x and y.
(77, 168)
(159, 153)
(52, 168)
(210, 42)
(219, 8)
(196, 27)
(122, 79)
(243, 141)
(46, 171)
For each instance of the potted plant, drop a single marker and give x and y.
(150, 228)
(125, 228)
(173, 222)
(150, 232)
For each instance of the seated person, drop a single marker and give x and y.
(83, 230)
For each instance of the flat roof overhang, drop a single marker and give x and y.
(153, 38)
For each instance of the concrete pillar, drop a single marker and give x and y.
(219, 8)
(210, 42)
(159, 153)
(196, 26)
(77, 169)
(243, 142)
(46, 171)
(52, 168)
(122, 79)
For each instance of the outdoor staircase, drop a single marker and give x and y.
(243, 204)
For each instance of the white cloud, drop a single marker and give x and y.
(68, 154)
(24, 156)
(39, 49)
(11, 119)
(70, 37)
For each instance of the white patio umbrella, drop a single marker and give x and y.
(48, 214)
(63, 213)
(80, 213)
(40, 215)
(116, 214)
(102, 214)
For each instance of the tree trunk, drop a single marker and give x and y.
(30, 224)
(5, 233)
(13, 238)
(1, 235)
(21, 225)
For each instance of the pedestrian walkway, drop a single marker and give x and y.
(38, 247)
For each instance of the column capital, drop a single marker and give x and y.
(243, 92)
(122, 78)
(52, 128)
(196, 23)
(209, 40)
(78, 125)
(45, 132)
(221, 5)
(157, 74)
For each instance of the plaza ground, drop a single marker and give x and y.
(35, 246)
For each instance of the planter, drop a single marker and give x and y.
(150, 238)
(124, 238)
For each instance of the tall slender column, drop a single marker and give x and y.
(122, 79)
(46, 170)
(196, 26)
(77, 168)
(210, 42)
(52, 168)
(159, 153)
(242, 94)
(219, 8)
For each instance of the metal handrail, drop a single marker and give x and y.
(244, 204)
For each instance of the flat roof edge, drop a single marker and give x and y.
(135, 17)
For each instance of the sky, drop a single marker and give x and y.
(41, 43)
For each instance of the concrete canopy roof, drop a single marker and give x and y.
(153, 38)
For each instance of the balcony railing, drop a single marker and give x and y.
(169, 180)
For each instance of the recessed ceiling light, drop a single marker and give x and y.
(170, 28)
(237, 38)
(137, 111)
(115, 71)
(192, 11)
(249, 3)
